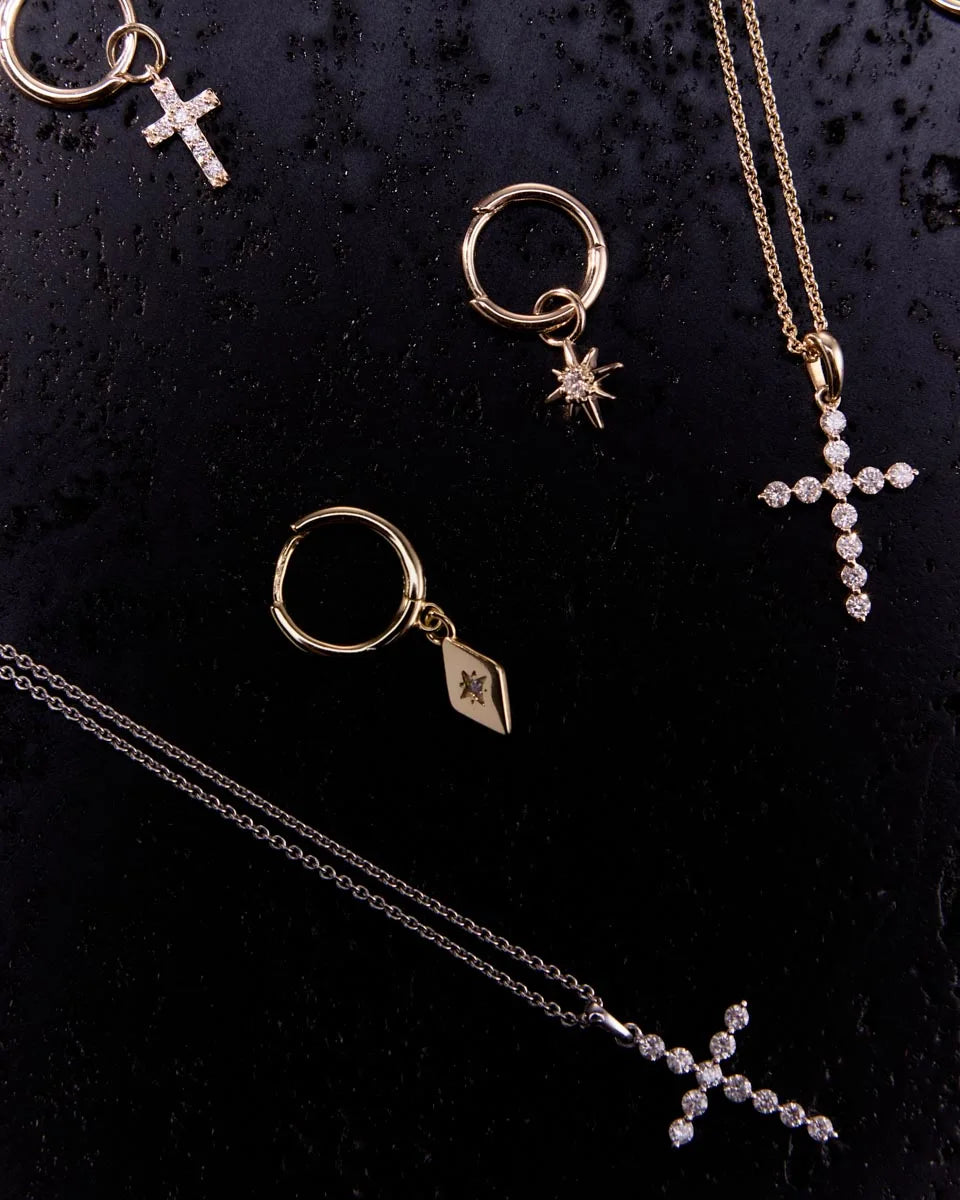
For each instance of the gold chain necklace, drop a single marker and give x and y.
(819, 349)
(734, 95)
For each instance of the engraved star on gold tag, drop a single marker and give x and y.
(476, 685)
(580, 383)
(472, 686)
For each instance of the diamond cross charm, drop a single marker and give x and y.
(181, 116)
(840, 484)
(709, 1074)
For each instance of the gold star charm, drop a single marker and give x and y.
(472, 686)
(580, 383)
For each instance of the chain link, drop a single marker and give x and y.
(760, 216)
(36, 681)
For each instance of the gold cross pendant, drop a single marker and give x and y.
(182, 116)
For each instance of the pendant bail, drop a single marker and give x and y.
(826, 369)
(596, 1014)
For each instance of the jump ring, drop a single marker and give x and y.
(63, 97)
(138, 29)
(435, 624)
(414, 581)
(574, 305)
(594, 274)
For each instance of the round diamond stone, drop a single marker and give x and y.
(833, 422)
(737, 1088)
(765, 1101)
(776, 494)
(854, 576)
(680, 1061)
(858, 605)
(575, 383)
(792, 1115)
(723, 1045)
(821, 1129)
(836, 453)
(844, 516)
(807, 489)
(839, 484)
(870, 480)
(849, 546)
(681, 1131)
(694, 1103)
(651, 1046)
(736, 1017)
(708, 1074)
(901, 475)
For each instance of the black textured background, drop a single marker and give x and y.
(718, 786)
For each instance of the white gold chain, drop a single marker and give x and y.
(37, 681)
(110, 727)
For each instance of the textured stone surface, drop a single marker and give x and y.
(185, 371)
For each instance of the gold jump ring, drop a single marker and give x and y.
(138, 30)
(574, 303)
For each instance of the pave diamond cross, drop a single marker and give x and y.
(840, 484)
(709, 1074)
(181, 116)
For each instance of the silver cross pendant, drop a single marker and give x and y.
(709, 1074)
(182, 116)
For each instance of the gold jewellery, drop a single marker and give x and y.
(179, 116)
(819, 350)
(476, 685)
(560, 308)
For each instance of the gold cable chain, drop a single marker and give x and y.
(760, 216)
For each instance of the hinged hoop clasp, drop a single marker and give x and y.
(539, 321)
(66, 97)
(414, 581)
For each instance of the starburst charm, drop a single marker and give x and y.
(709, 1074)
(580, 383)
(839, 484)
(471, 687)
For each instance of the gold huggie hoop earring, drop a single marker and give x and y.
(179, 116)
(579, 378)
(476, 685)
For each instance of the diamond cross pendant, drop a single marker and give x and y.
(709, 1074)
(826, 373)
(839, 484)
(181, 116)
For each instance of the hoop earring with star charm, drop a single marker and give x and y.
(560, 313)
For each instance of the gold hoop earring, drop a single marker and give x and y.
(560, 313)
(476, 685)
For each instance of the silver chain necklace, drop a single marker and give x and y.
(112, 727)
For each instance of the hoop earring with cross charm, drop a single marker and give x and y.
(179, 117)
